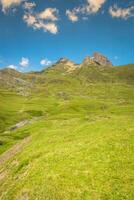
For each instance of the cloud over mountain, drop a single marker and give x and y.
(24, 62)
(91, 7)
(12, 67)
(45, 19)
(6, 4)
(72, 15)
(123, 13)
(45, 62)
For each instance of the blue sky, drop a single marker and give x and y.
(34, 34)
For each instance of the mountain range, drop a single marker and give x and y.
(92, 69)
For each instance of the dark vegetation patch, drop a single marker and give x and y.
(2, 142)
(21, 135)
(22, 165)
(35, 113)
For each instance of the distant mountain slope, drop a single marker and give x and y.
(66, 72)
(14, 80)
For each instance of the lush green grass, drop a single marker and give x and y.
(76, 158)
(81, 137)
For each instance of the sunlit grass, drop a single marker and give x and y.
(81, 138)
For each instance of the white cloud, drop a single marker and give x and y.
(72, 15)
(30, 19)
(123, 13)
(45, 62)
(29, 6)
(49, 14)
(50, 27)
(91, 7)
(24, 62)
(36, 23)
(6, 4)
(43, 20)
(12, 67)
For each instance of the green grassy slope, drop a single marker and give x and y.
(81, 139)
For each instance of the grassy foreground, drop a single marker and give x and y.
(73, 159)
(80, 147)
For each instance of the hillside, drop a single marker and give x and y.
(74, 132)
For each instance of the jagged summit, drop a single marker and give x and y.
(97, 59)
(67, 63)
(101, 59)
(63, 60)
(88, 61)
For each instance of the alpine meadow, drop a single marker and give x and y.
(66, 127)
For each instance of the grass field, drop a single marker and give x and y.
(81, 141)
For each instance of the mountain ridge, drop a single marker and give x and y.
(65, 70)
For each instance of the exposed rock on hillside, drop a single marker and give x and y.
(97, 59)
(10, 78)
(69, 64)
(101, 60)
(88, 61)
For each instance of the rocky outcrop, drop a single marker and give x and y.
(97, 59)
(68, 64)
(88, 61)
(101, 60)
(62, 61)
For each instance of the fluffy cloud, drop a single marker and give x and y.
(49, 14)
(44, 20)
(29, 6)
(45, 62)
(37, 23)
(24, 62)
(72, 15)
(11, 67)
(50, 27)
(123, 13)
(91, 7)
(6, 4)
(30, 19)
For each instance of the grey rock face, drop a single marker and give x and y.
(101, 60)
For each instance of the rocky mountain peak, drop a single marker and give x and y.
(97, 59)
(70, 65)
(88, 61)
(63, 61)
(101, 59)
